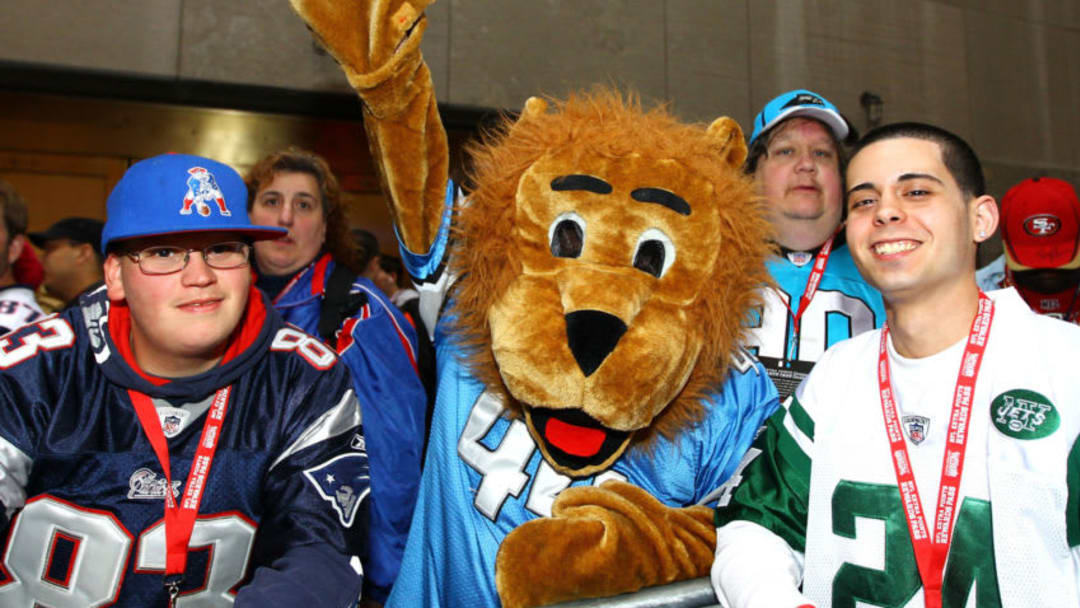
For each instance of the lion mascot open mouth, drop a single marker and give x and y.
(597, 282)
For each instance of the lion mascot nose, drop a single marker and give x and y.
(592, 334)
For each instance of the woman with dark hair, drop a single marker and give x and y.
(312, 277)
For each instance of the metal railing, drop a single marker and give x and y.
(696, 593)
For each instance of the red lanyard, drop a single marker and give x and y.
(930, 553)
(318, 280)
(180, 519)
(820, 260)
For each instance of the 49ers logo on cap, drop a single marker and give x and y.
(202, 190)
(1042, 225)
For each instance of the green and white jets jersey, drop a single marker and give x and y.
(818, 509)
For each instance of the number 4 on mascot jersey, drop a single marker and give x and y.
(170, 441)
(595, 290)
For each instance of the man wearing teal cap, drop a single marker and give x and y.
(796, 156)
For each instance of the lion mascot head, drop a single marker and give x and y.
(607, 258)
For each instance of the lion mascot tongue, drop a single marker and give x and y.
(593, 288)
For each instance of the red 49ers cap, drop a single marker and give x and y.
(1040, 224)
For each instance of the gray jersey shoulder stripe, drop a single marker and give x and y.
(342, 418)
(14, 473)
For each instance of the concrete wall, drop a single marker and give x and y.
(1003, 73)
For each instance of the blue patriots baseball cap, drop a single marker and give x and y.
(175, 193)
(800, 102)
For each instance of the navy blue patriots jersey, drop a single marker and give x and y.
(83, 492)
(379, 347)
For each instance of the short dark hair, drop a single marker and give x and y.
(366, 245)
(16, 216)
(760, 146)
(956, 154)
(391, 265)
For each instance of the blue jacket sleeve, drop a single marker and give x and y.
(379, 348)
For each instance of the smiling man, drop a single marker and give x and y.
(170, 440)
(935, 460)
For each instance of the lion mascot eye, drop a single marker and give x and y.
(567, 235)
(655, 253)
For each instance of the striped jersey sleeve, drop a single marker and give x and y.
(774, 488)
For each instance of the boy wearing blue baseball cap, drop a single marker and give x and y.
(170, 439)
(796, 156)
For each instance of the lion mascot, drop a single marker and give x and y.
(593, 289)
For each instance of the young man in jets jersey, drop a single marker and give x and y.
(170, 441)
(933, 462)
(796, 157)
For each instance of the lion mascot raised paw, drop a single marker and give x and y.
(593, 289)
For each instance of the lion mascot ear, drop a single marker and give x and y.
(534, 106)
(730, 144)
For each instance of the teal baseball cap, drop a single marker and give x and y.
(800, 102)
(175, 193)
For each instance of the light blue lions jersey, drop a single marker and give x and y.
(484, 475)
(844, 306)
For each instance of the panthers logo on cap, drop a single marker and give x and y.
(1043, 224)
(202, 190)
(803, 99)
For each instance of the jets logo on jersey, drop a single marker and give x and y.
(343, 482)
(144, 484)
(915, 427)
(1024, 414)
(203, 190)
(1042, 225)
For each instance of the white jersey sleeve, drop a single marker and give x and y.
(755, 568)
(761, 534)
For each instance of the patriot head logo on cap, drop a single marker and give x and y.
(202, 190)
(800, 102)
(156, 196)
